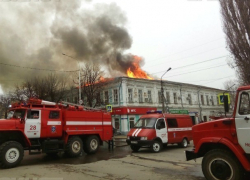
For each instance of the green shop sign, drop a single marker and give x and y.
(178, 111)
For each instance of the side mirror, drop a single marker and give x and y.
(22, 120)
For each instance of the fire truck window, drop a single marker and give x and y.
(19, 113)
(34, 115)
(160, 124)
(244, 104)
(172, 123)
(54, 115)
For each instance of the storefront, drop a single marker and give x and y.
(124, 118)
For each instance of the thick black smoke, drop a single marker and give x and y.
(36, 33)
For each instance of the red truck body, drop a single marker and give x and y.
(224, 143)
(41, 126)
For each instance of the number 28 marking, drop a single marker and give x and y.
(32, 127)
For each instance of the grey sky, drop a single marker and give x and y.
(176, 33)
(166, 33)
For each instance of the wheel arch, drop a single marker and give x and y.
(225, 144)
(158, 139)
(17, 136)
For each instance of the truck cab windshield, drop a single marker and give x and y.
(145, 123)
(19, 113)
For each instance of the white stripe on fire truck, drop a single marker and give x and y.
(179, 129)
(106, 123)
(138, 132)
(54, 123)
(134, 132)
(87, 123)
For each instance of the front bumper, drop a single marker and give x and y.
(140, 142)
(190, 154)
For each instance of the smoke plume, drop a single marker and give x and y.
(35, 34)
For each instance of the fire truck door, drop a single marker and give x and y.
(161, 130)
(242, 120)
(33, 124)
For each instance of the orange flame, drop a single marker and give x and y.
(135, 71)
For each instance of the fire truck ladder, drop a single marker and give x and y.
(84, 107)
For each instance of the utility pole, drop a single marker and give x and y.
(226, 108)
(162, 91)
(79, 78)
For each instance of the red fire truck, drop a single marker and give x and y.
(155, 129)
(46, 127)
(224, 144)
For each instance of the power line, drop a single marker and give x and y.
(210, 79)
(184, 57)
(217, 79)
(192, 64)
(187, 49)
(198, 70)
(37, 68)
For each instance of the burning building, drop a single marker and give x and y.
(133, 95)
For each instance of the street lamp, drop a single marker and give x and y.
(162, 92)
(79, 76)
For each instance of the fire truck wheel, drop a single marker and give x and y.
(156, 147)
(91, 144)
(135, 148)
(184, 143)
(220, 164)
(74, 146)
(11, 154)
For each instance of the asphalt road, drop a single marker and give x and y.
(119, 164)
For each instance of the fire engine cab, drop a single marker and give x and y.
(46, 127)
(224, 144)
(155, 129)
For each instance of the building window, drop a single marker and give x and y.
(117, 123)
(75, 100)
(98, 99)
(212, 100)
(131, 122)
(140, 95)
(168, 97)
(202, 99)
(159, 97)
(207, 100)
(130, 94)
(189, 98)
(175, 98)
(149, 96)
(106, 97)
(115, 96)
(205, 118)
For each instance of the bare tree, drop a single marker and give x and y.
(92, 84)
(5, 101)
(236, 20)
(51, 88)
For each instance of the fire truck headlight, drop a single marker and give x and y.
(128, 137)
(144, 138)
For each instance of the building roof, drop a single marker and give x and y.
(168, 82)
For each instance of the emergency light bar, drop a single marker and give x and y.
(154, 112)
